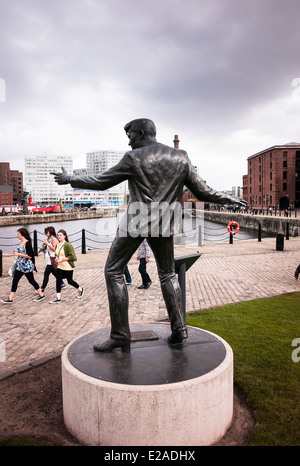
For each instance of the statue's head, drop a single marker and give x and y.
(140, 132)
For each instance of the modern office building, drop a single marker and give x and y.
(39, 182)
(98, 162)
(273, 178)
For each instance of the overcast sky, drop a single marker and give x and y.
(222, 74)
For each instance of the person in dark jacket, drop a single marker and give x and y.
(25, 265)
(156, 176)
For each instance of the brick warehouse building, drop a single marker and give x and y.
(273, 178)
(12, 178)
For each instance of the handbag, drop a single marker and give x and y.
(11, 271)
(53, 263)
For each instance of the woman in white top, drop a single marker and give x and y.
(50, 244)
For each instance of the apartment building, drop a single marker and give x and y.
(98, 162)
(39, 182)
(16, 181)
(273, 178)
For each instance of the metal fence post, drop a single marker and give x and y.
(259, 232)
(83, 245)
(230, 236)
(287, 230)
(1, 267)
(35, 245)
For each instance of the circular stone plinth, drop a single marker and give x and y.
(154, 395)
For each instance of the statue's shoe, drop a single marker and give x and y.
(111, 344)
(176, 338)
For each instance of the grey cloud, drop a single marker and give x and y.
(201, 67)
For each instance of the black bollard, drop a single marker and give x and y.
(280, 241)
(83, 245)
(35, 243)
(230, 235)
(259, 232)
(287, 230)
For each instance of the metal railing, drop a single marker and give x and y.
(87, 240)
(275, 212)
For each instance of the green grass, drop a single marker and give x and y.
(261, 333)
(23, 442)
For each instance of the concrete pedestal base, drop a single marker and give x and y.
(153, 396)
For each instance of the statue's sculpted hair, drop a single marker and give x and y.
(143, 124)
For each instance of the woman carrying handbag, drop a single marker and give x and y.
(25, 265)
(65, 259)
(51, 265)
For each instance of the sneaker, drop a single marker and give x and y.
(6, 301)
(39, 298)
(128, 283)
(56, 300)
(80, 294)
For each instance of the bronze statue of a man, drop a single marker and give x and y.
(156, 175)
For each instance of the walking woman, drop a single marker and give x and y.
(65, 258)
(25, 265)
(50, 244)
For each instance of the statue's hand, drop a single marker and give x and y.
(61, 178)
(236, 200)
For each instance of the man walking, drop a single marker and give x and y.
(144, 257)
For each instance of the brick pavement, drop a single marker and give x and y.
(33, 331)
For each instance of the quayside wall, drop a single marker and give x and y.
(9, 220)
(269, 224)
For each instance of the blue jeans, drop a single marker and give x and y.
(127, 275)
